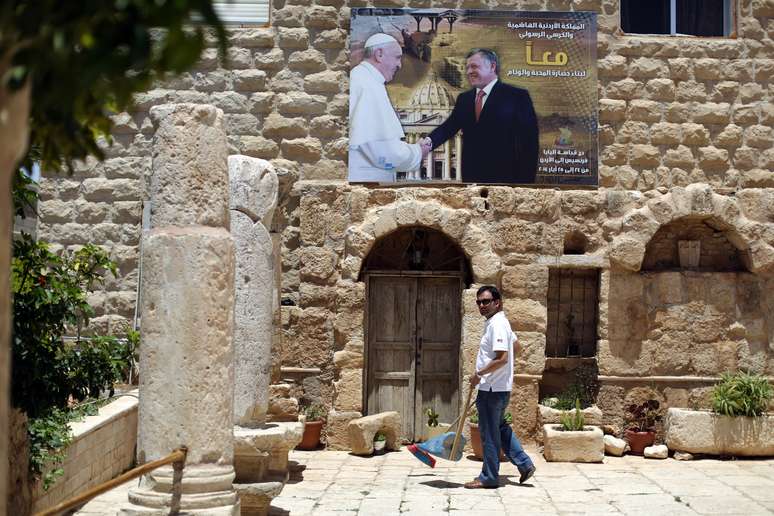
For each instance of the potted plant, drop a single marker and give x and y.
(572, 440)
(738, 424)
(641, 420)
(315, 416)
(432, 427)
(475, 435)
(379, 442)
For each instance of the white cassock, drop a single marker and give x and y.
(376, 150)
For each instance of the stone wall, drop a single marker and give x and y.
(685, 131)
(102, 448)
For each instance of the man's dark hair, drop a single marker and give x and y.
(488, 54)
(491, 289)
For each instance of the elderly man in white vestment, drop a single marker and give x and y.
(376, 148)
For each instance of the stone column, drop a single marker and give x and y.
(186, 357)
(253, 197)
(429, 165)
(447, 160)
(458, 156)
(14, 131)
(260, 451)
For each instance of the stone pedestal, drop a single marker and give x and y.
(262, 453)
(186, 357)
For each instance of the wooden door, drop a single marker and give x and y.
(413, 347)
(391, 344)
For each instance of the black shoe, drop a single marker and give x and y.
(527, 474)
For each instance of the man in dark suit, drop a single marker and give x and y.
(498, 123)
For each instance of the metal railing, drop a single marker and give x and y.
(176, 458)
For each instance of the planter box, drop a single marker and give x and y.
(435, 431)
(547, 415)
(695, 431)
(581, 446)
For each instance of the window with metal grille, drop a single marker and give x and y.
(678, 17)
(573, 301)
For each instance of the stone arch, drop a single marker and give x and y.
(627, 250)
(455, 224)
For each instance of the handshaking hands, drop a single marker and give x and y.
(426, 144)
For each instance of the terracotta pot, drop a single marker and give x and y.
(475, 442)
(638, 441)
(311, 438)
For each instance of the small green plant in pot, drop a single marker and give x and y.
(380, 440)
(741, 394)
(315, 419)
(573, 421)
(433, 427)
(641, 419)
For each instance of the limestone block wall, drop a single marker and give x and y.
(685, 130)
(102, 448)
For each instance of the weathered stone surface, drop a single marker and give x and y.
(189, 185)
(362, 431)
(658, 451)
(614, 446)
(337, 433)
(348, 390)
(263, 451)
(683, 456)
(253, 184)
(253, 188)
(255, 498)
(187, 331)
(580, 446)
(696, 431)
(591, 415)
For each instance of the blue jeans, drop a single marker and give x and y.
(497, 434)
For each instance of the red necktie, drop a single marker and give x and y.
(479, 103)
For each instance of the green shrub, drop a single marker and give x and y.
(573, 421)
(741, 394)
(473, 417)
(380, 437)
(315, 412)
(50, 293)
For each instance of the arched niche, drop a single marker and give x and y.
(695, 243)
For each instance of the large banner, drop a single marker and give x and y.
(473, 96)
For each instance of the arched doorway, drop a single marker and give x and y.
(414, 279)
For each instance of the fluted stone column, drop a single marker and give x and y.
(253, 189)
(186, 356)
(260, 450)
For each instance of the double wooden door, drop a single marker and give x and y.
(413, 347)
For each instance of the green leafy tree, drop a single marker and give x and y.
(85, 60)
(49, 293)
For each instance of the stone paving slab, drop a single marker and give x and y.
(340, 484)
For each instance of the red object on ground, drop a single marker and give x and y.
(638, 441)
(422, 455)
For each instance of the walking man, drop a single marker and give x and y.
(494, 380)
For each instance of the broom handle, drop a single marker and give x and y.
(462, 422)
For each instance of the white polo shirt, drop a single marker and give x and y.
(498, 336)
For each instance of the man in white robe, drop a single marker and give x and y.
(376, 148)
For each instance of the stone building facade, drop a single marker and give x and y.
(686, 155)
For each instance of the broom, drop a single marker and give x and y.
(446, 446)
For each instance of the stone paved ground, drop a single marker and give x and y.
(340, 484)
